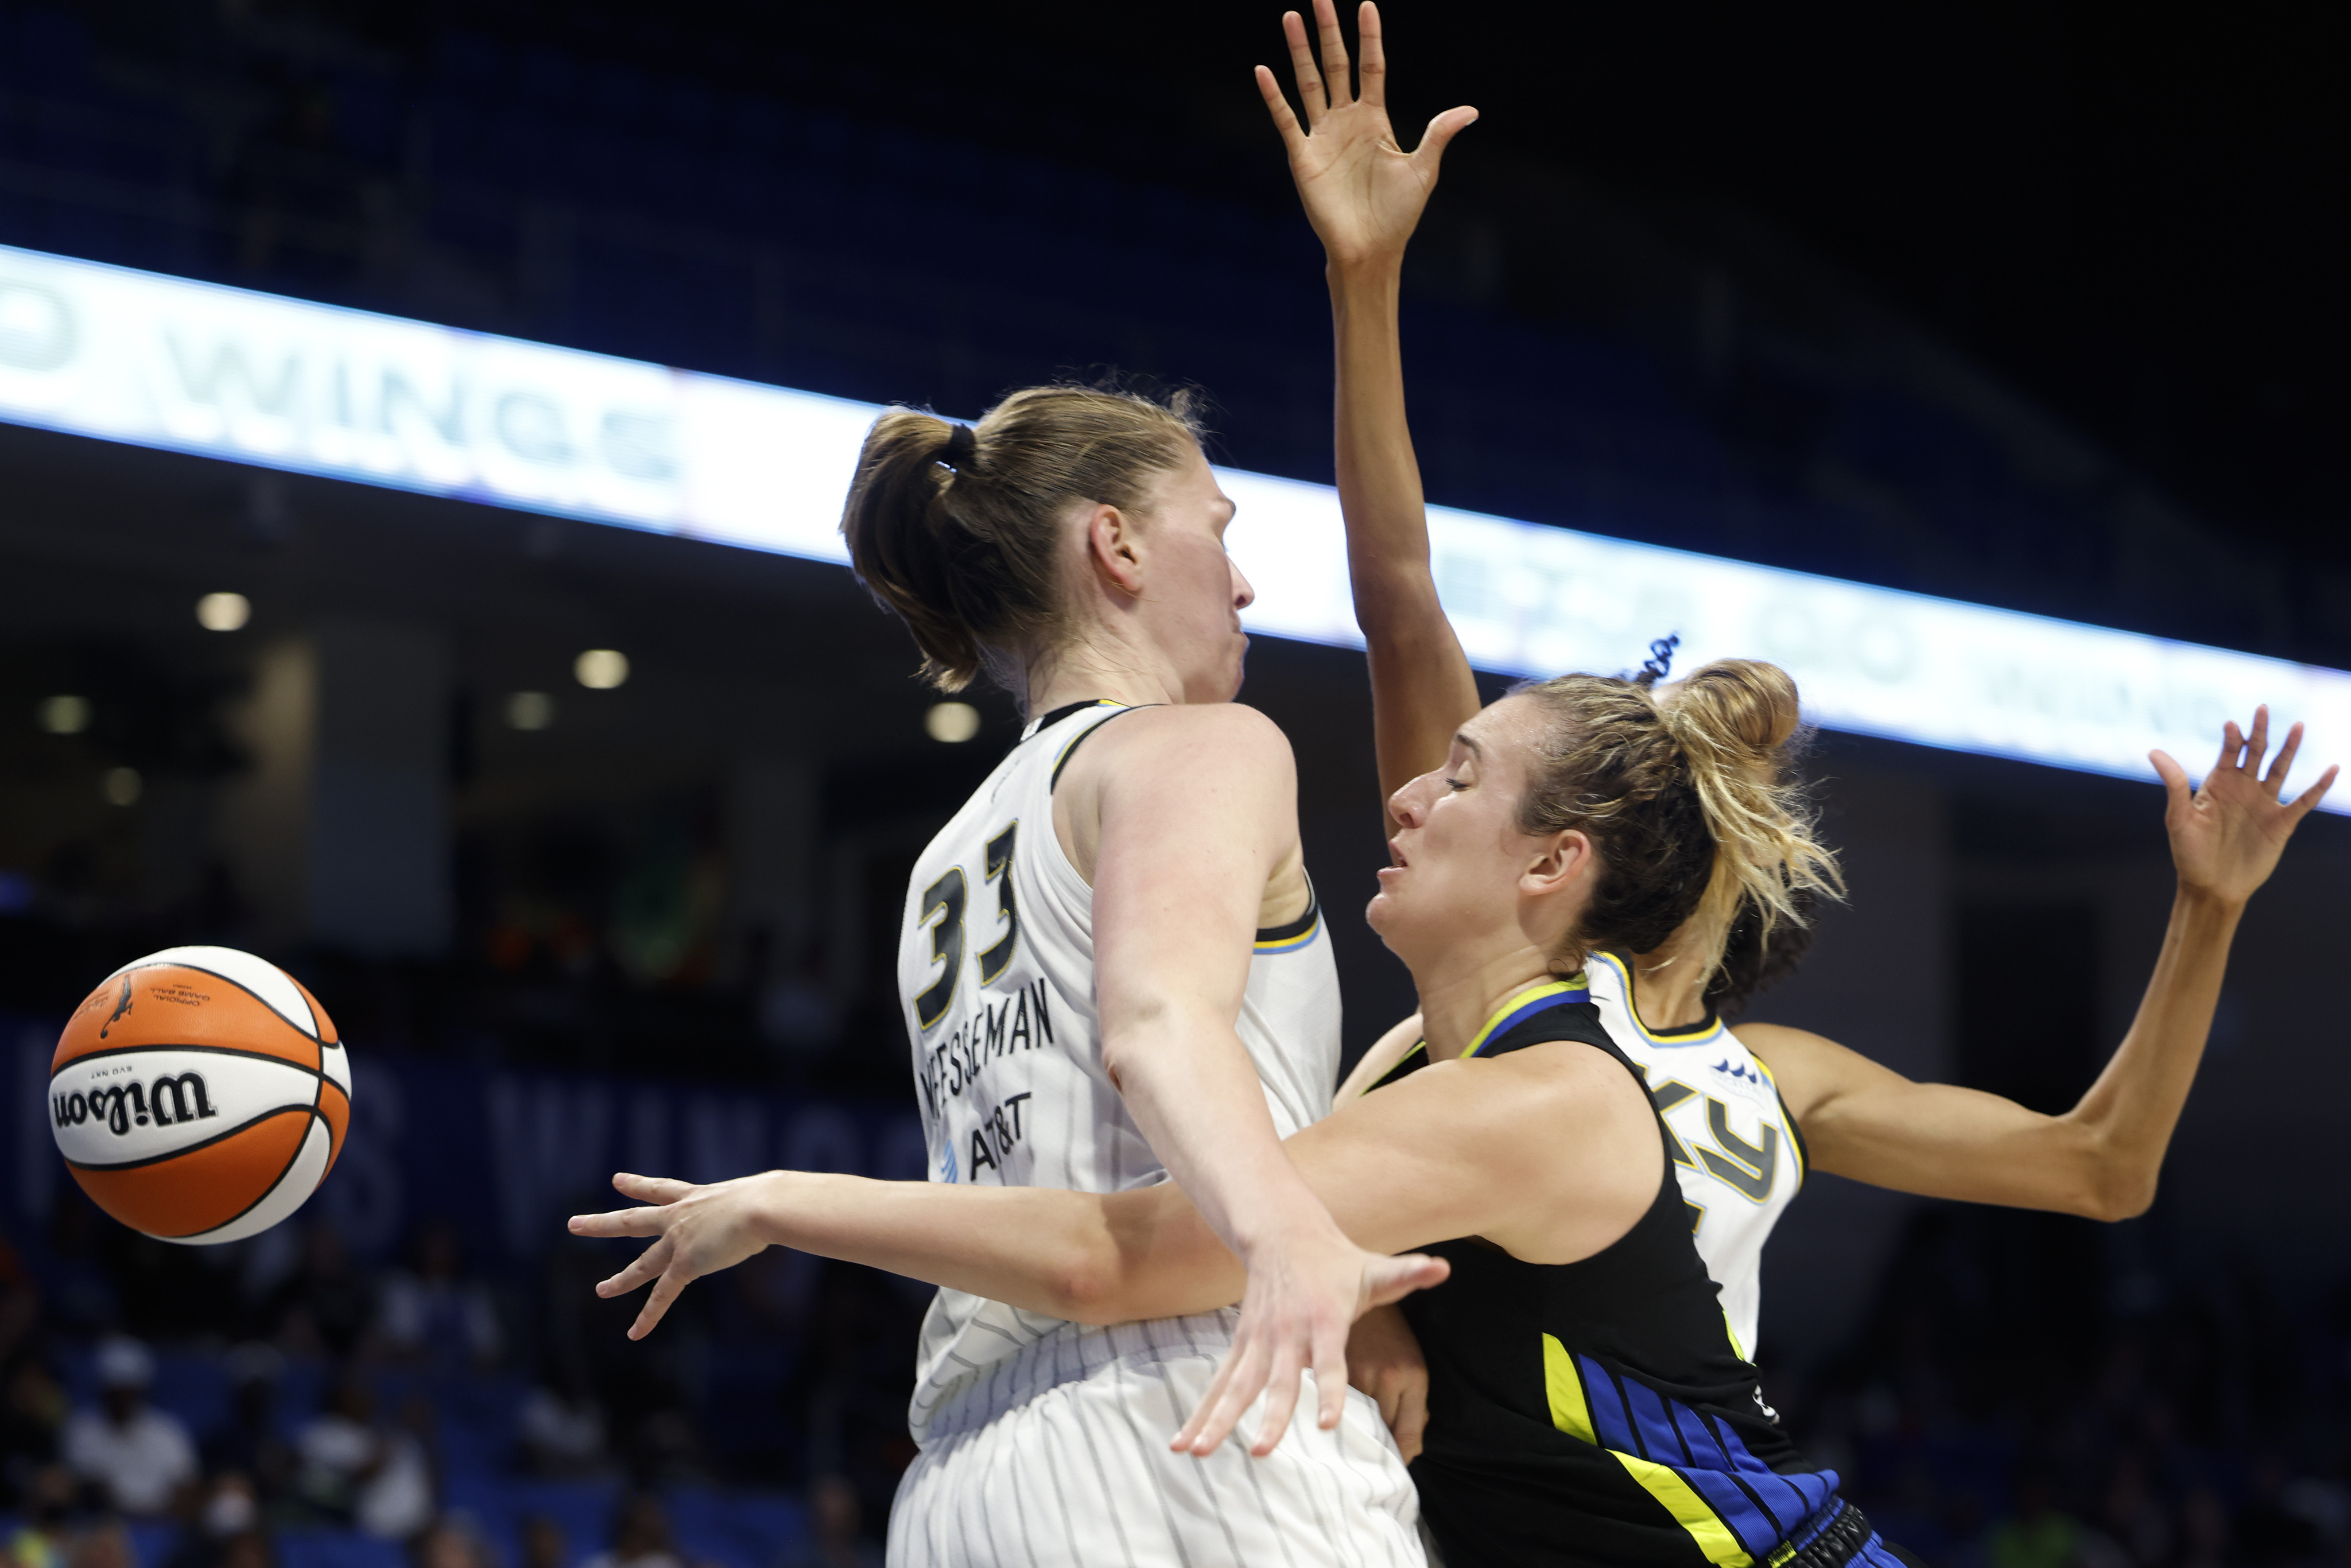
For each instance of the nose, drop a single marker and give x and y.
(1408, 802)
(1243, 594)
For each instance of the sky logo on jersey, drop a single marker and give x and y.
(948, 1163)
(1742, 1073)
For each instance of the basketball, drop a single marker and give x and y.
(198, 1094)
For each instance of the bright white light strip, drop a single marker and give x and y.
(162, 362)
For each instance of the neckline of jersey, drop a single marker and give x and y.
(1040, 725)
(1697, 1033)
(1524, 1004)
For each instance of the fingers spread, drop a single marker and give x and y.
(665, 1290)
(2233, 742)
(621, 1222)
(2258, 741)
(652, 1189)
(1330, 1377)
(1337, 78)
(648, 1264)
(1238, 1382)
(1281, 1388)
(1392, 1279)
(1279, 106)
(1442, 130)
(1411, 1423)
(2285, 763)
(1373, 68)
(2310, 798)
(1311, 91)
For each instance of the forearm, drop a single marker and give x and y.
(2099, 1159)
(1188, 1083)
(1422, 688)
(1089, 1256)
(2133, 1108)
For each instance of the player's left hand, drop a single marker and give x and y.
(699, 1230)
(1364, 192)
(2228, 833)
(1304, 1291)
(1384, 1360)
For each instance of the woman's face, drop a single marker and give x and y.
(1192, 593)
(1465, 879)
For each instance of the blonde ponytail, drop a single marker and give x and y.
(1734, 720)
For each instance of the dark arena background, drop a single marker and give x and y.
(2037, 308)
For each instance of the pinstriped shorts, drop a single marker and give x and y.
(1077, 1474)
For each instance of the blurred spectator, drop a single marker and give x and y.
(20, 1302)
(40, 1541)
(834, 1538)
(543, 1546)
(641, 1537)
(323, 1307)
(448, 1543)
(247, 1443)
(31, 1413)
(432, 1314)
(2269, 1529)
(141, 1459)
(354, 1472)
(246, 1549)
(105, 1544)
(2038, 1534)
(562, 1425)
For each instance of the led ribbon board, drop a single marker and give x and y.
(162, 362)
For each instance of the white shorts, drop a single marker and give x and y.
(1079, 1475)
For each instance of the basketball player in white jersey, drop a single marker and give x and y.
(1114, 970)
(1749, 1110)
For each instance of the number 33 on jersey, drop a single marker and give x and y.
(995, 971)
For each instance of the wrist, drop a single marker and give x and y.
(1372, 271)
(2207, 904)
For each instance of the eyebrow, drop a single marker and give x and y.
(1461, 737)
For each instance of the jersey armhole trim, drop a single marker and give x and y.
(1293, 935)
(1082, 737)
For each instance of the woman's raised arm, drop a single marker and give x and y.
(1363, 194)
(2101, 1158)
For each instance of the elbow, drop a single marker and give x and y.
(1085, 1289)
(2121, 1196)
(2114, 1187)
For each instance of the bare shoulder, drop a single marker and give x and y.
(1193, 745)
(1204, 732)
(1531, 1104)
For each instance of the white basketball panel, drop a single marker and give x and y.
(337, 1064)
(259, 976)
(104, 1110)
(293, 1189)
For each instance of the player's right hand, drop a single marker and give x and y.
(2228, 832)
(1306, 1289)
(1364, 192)
(1384, 1360)
(697, 1230)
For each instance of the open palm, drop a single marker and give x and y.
(1364, 192)
(2228, 833)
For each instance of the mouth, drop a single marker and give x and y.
(1395, 854)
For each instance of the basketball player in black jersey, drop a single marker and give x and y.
(1588, 1404)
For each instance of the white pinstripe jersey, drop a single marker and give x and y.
(1735, 1148)
(996, 976)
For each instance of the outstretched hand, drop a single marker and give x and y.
(1301, 1301)
(696, 1231)
(2228, 833)
(1364, 192)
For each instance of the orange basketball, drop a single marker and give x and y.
(200, 1094)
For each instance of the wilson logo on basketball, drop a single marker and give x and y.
(172, 1098)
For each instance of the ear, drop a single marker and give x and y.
(1114, 548)
(1560, 863)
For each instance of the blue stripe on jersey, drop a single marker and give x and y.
(1526, 1004)
(1756, 1503)
(1607, 1407)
